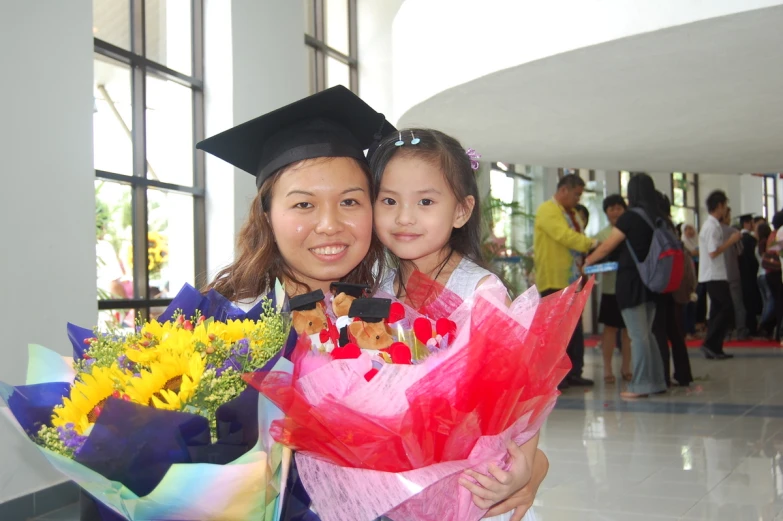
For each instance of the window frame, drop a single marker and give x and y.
(139, 183)
(317, 42)
(691, 185)
(765, 195)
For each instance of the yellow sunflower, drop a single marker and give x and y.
(170, 340)
(169, 383)
(87, 397)
(229, 332)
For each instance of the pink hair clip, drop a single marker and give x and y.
(474, 157)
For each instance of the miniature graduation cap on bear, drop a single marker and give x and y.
(352, 290)
(308, 314)
(332, 123)
(307, 301)
(370, 332)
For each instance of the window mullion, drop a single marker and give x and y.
(353, 44)
(319, 23)
(139, 194)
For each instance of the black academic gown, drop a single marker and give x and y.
(749, 268)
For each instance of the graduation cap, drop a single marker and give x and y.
(306, 301)
(352, 290)
(332, 123)
(746, 218)
(370, 309)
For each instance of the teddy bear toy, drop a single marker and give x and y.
(344, 296)
(309, 318)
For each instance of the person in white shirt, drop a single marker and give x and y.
(713, 273)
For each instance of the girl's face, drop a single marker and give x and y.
(416, 211)
(321, 217)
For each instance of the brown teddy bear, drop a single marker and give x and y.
(310, 321)
(344, 296)
(371, 330)
(309, 318)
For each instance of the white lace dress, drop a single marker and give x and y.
(463, 279)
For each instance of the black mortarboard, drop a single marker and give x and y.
(352, 290)
(370, 309)
(306, 301)
(746, 218)
(332, 123)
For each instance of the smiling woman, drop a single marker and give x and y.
(311, 221)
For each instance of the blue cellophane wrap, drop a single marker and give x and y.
(142, 463)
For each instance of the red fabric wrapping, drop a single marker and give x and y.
(430, 298)
(499, 372)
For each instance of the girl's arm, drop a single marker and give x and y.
(521, 501)
(500, 485)
(606, 247)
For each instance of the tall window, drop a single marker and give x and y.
(330, 37)
(625, 176)
(510, 214)
(769, 196)
(149, 186)
(685, 198)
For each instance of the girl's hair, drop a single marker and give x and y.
(447, 154)
(763, 231)
(642, 194)
(259, 261)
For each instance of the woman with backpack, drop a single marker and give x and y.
(633, 236)
(668, 326)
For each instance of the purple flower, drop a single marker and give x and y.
(89, 362)
(244, 347)
(69, 437)
(230, 363)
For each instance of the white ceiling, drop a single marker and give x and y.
(702, 97)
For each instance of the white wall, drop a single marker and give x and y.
(663, 182)
(750, 198)
(729, 183)
(47, 204)
(469, 38)
(374, 20)
(255, 61)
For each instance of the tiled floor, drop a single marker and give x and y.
(712, 453)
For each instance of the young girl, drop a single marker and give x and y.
(426, 214)
(426, 211)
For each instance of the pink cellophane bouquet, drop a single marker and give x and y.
(396, 443)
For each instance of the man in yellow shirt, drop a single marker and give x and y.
(558, 240)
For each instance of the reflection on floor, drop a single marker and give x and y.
(712, 452)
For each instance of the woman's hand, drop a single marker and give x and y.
(499, 485)
(521, 501)
(606, 247)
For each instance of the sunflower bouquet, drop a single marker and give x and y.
(159, 424)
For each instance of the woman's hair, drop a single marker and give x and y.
(763, 231)
(447, 154)
(259, 261)
(642, 194)
(777, 220)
